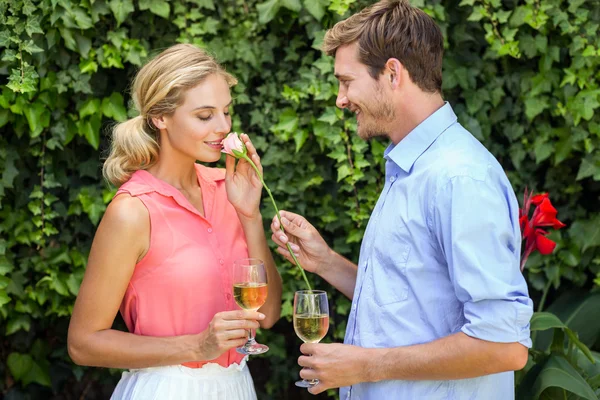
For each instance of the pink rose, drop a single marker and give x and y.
(233, 145)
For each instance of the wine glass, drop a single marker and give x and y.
(311, 320)
(250, 293)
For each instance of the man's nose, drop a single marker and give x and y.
(342, 100)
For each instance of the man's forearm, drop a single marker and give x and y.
(457, 356)
(340, 272)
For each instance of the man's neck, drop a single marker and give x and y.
(410, 113)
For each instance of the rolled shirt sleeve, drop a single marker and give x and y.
(475, 221)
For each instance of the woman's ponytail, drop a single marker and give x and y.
(132, 148)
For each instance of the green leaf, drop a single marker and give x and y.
(81, 18)
(84, 45)
(580, 312)
(542, 149)
(67, 36)
(293, 5)
(582, 347)
(5, 38)
(534, 106)
(38, 117)
(267, 10)
(587, 168)
(113, 107)
(32, 26)
(4, 298)
(557, 372)
(545, 320)
(19, 365)
(121, 9)
(563, 149)
(90, 107)
(288, 121)
(585, 233)
(91, 130)
(31, 47)
(21, 322)
(160, 8)
(316, 8)
(88, 66)
(330, 116)
(208, 4)
(300, 138)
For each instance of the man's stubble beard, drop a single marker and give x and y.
(381, 114)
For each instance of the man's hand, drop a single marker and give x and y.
(307, 244)
(334, 365)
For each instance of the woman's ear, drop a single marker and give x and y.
(159, 122)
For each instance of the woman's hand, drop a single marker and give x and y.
(243, 184)
(228, 329)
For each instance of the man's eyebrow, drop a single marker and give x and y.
(341, 76)
(211, 107)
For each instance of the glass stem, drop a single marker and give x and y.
(251, 335)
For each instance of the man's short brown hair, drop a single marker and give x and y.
(393, 29)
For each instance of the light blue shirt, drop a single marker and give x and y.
(440, 255)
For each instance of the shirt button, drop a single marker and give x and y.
(221, 261)
(392, 179)
(209, 230)
(354, 306)
(228, 296)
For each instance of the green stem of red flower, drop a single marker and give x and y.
(245, 157)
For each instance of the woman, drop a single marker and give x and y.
(164, 250)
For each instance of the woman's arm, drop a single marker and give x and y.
(244, 190)
(120, 242)
(258, 248)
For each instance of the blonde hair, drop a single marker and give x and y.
(393, 29)
(158, 89)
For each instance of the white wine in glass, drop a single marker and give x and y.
(250, 293)
(311, 320)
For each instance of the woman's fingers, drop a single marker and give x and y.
(252, 153)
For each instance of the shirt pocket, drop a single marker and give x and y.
(390, 284)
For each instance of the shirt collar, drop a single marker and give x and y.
(406, 153)
(144, 182)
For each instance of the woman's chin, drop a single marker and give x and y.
(209, 157)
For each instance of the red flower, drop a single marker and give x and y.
(544, 215)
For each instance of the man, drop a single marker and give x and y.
(440, 309)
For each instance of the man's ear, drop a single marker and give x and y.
(394, 68)
(159, 122)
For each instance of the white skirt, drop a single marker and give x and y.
(176, 382)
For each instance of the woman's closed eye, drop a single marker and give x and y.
(206, 117)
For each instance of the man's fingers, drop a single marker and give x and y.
(279, 238)
(318, 388)
(308, 348)
(305, 361)
(284, 252)
(308, 374)
(275, 223)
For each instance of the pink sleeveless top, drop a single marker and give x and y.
(185, 278)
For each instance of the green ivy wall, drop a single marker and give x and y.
(522, 76)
